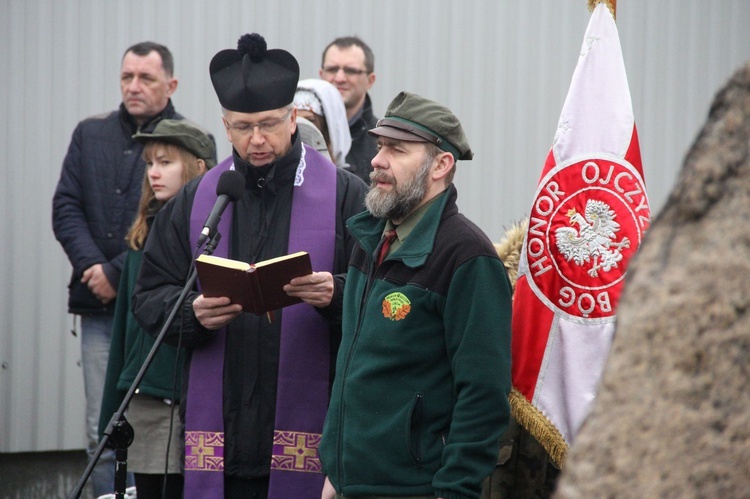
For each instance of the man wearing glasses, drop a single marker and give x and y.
(349, 64)
(257, 388)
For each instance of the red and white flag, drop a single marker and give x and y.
(589, 215)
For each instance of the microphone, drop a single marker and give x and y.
(230, 187)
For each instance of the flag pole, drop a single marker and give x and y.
(611, 5)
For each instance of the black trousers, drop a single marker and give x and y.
(150, 486)
(237, 488)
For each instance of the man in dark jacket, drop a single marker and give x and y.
(349, 64)
(420, 396)
(256, 390)
(95, 203)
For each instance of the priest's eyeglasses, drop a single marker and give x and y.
(264, 127)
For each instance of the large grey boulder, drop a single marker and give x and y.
(672, 418)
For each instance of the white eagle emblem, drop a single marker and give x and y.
(594, 238)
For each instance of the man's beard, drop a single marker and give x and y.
(402, 199)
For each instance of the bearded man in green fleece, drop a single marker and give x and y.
(420, 396)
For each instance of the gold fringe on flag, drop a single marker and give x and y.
(539, 427)
(611, 5)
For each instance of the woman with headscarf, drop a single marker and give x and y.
(320, 102)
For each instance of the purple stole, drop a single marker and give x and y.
(302, 397)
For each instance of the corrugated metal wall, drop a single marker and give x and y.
(503, 66)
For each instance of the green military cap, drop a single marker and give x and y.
(416, 119)
(184, 134)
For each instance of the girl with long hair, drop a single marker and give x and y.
(175, 152)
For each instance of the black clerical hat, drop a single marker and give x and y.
(252, 79)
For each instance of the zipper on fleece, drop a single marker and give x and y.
(416, 420)
(368, 288)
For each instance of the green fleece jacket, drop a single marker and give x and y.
(420, 397)
(129, 348)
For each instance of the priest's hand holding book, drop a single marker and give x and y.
(315, 289)
(230, 287)
(214, 313)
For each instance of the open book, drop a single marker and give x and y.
(257, 287)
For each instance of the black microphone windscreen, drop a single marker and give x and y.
(231, 184)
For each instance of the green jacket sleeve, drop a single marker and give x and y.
(112, 396)
(477, 321)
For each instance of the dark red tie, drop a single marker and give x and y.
(388, 238)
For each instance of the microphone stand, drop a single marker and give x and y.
(119, 434)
